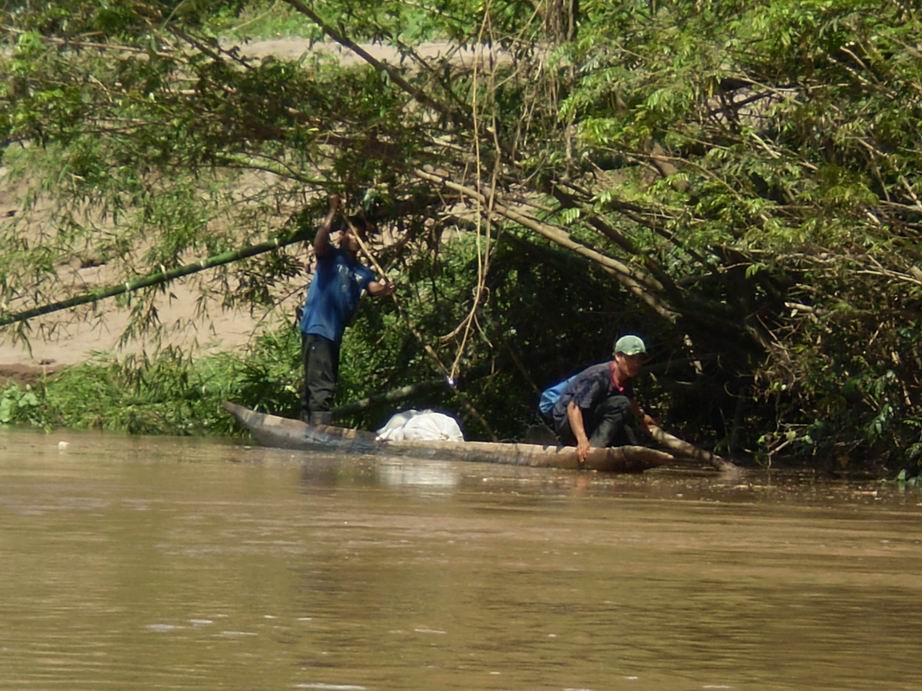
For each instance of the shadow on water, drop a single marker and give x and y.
(152, 563)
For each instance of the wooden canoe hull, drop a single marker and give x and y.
(280, 432)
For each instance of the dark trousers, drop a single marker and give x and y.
(320, 357)
(610, 423)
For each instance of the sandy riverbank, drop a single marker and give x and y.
(78, 339)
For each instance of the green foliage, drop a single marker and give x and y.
(529, 293)
(738, 181)
(19, 404)
(168, 394)
(779, 119)
(264, 19)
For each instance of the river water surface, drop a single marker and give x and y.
(162, 563)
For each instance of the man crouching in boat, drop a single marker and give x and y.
(597, 408)
(332, 299)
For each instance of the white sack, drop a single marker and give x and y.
(421, 425)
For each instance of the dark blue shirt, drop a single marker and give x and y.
(587, 389)
(334, 294)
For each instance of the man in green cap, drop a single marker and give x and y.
(597, 407)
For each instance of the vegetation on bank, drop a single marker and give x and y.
(738, 181)
(174, 393)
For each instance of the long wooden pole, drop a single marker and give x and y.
(426, 347)
(390, 396)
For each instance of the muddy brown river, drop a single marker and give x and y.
(162, 563)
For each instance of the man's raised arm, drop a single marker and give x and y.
(322, 238)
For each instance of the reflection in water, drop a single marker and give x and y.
(155, 563)
(396, 473)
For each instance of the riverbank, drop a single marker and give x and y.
(55, 343)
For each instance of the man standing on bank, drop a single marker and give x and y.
(597, 408)
(332, 299)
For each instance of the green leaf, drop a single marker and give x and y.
(7, 409)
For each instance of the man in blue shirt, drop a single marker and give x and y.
(332, 299)
(597, 408)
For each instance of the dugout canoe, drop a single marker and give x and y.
(285, 433)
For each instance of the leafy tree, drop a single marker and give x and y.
(737, 180)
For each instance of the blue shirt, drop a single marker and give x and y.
(334, 294)
(587, 389)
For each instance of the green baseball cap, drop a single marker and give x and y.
(630, 345)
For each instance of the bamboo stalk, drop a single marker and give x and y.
(154, 279)
(645, 287)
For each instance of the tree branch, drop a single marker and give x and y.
(393, 74)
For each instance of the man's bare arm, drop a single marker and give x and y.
(575, 417)
(322, 238)
(639, 413)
